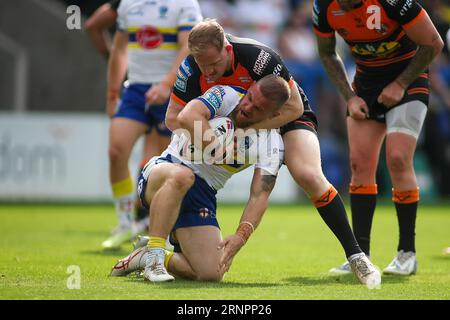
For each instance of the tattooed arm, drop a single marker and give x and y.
(335, 68)
(430, 44)
(262, 185)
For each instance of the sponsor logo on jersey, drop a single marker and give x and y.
(186, 68)
(277, 69)
(381, 50)
(149, 37)
(392, 2)
(261, 62)
(406, 7)
(214, 96)
(181, 81)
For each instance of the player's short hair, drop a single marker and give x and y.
(275, 88)
(205, 34)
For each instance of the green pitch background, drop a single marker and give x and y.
(287, 258)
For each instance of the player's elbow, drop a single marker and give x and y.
(172, 122)
(185, 120)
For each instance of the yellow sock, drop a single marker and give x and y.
(168, 256)
(122, 188)
(156, 242)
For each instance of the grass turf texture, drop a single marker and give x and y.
(286, 258)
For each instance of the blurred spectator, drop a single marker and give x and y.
(260, 19)
(221, 10)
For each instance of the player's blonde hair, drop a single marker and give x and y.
(206, 34)
(275, 88)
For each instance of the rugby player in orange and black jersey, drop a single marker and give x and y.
(382, 51)
(252, 61)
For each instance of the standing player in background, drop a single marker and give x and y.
(217, 58)
(99, 23)
(393, 43)
(97, 26)
(151, 41)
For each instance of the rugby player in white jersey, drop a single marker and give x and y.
(182, 194)
(151, 41)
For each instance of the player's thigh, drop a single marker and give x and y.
(365, 139)
(199, 246)
(123, 134)
(181, 176)
(302, 157)
(404, 124)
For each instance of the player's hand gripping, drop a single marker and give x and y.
(158, 94)
(357, 108)
(391, 94)
(231, 245)
(112, 96)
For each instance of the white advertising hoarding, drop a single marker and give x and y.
(50, 157)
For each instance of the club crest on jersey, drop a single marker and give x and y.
(204, 213)
(149, 37)
(163, 11)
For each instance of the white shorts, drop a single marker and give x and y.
(407, 118)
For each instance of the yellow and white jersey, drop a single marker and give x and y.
(152, 27)
(267, 144)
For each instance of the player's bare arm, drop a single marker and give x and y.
(336, 71)
(262, 186)
(196, 115)
(430, 44)
(160, 93)
(117, 68)
(290, 111)
(173, 109)
(96, 26)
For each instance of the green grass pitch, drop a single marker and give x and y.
(287, 258)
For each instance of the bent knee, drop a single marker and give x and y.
(182, 178)
(117, 153)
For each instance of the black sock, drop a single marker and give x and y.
(406, 215)
(363, 208)
(335, 217)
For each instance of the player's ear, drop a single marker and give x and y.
(228, 48)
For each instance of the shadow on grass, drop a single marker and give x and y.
(441, 258)
(190, 284)
(349, 279)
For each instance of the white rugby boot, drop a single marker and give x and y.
(365, 271)
(342, 269)
(134, 262)
(155, 271)
(404, 264)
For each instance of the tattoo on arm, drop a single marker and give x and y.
(334, 66)
(268, 182)
(418, 64)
